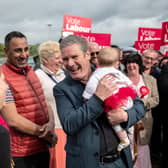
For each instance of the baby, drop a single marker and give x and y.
(108, 60)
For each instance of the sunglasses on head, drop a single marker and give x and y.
(93, 53)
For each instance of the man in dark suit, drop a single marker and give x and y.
(91, 141)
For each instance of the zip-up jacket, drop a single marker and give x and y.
(30, 103)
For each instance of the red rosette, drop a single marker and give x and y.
(144, 91)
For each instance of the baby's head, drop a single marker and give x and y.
(108, 57)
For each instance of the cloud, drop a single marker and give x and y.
(121, 18)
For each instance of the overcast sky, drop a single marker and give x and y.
(121, 18)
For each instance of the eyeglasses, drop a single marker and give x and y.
(93, 53)
(149, 58)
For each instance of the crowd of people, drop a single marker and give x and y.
(82, 106)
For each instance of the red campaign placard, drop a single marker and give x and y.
(144, 45)
(103, 39)
(164, 39)
(77, 24)
(148, 34)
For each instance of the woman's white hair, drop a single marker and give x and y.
(47, 49)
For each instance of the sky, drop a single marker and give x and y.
(121, 18)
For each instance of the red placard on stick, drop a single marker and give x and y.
(77, 24)
(164, 39)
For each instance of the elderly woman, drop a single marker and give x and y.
(50, 73)
(134, 70)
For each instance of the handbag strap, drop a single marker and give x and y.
(137, 128)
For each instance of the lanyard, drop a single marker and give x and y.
(50, 76)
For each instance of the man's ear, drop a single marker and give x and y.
(6, 51)
(88, 55)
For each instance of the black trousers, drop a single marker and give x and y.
(5, 155)
(38, 160)
(156, 138)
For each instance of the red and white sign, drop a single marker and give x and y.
(102, 39)
(144, 45)
(77, 24)
(148, 34)
(164, 39)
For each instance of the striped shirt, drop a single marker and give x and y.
(9, 97)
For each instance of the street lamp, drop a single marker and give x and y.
(49, 30)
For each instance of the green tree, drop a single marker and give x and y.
(1, 50)
(33, 50)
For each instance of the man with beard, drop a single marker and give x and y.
(91, 141)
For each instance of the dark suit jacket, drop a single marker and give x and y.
(78, 118)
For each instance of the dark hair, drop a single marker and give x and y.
(115, 46)
(13, 34)
(134, 58)
(164, 58)
(73, 39)
(159, 52)
(164, 69)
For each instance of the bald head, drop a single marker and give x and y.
(94, 50)
(93, 47)
(108, 56)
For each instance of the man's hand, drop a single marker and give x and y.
(51, 139)
(54, 140)
(117, 116)
(106, 87)
(46, 130)
(48, 134)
